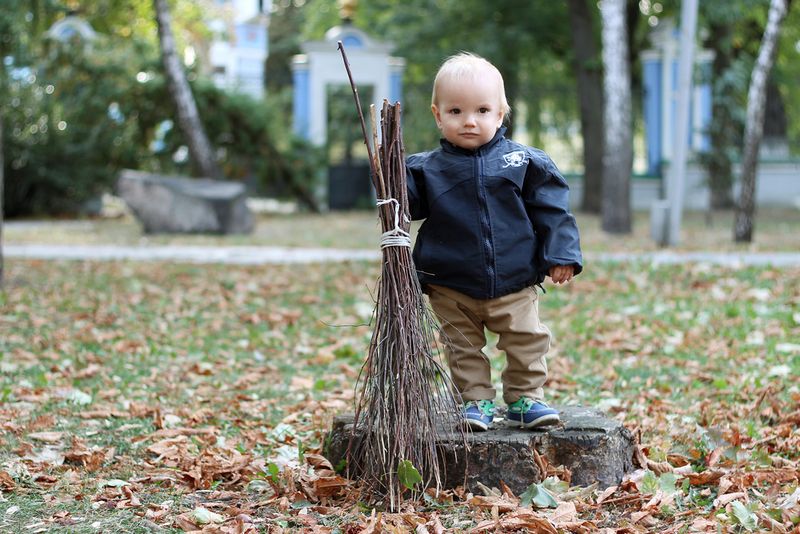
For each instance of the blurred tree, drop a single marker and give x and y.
(285, 26)
(618, 155)
(732, 33)
(754, 127)
(786, 72)
(10, 22)
(200, 148)
(2, 181)
(527, 41)
(589, 76)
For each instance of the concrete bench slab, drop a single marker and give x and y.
(175, 204)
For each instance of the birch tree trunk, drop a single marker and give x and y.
(2, 182)
(200, 149)
(618, 150)
(754, 127)
(590, 98)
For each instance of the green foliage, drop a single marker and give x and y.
(786, 72)
(744, 516)
(408, 474)
(529, 43)
(537, 495)
(65, 137)
(252, 143)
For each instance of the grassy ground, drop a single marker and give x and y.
(138, 397)
(775, 230)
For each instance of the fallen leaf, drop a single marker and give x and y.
(47, 437)
(6, 482)
(723, 500)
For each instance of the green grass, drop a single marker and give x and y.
(776, 229)
(258, 359)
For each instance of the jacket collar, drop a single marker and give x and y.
(447, 146)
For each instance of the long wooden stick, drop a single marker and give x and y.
(375, 174)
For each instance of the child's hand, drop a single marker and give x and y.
(561, 274)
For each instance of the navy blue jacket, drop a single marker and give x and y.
(496, 218)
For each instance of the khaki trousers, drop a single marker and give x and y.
(515, 319)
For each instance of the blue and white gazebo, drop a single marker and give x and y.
(321, 65)
(660, 77)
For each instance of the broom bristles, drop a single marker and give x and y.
(404, 394)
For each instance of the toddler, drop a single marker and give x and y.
(496, 223)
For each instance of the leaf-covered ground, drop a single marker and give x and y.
(144, 396)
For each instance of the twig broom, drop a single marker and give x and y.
(403, 392)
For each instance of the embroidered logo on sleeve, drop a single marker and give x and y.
(514, 159)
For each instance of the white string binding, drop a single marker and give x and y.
(396, 237)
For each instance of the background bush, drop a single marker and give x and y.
(65, 137)
(81, 113)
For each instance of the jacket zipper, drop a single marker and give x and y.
(486, 226)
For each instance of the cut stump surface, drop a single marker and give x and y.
(593, 447)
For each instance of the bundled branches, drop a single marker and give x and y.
(403, 392)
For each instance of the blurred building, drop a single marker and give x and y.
(238, 53)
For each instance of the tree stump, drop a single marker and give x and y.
(593, 447)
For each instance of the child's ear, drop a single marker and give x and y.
(436, 115)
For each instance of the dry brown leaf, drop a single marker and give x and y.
(565, 513)
(318, 461)
(102, 414)
(47, 437)
(705, 477)
(521, 519)
(608, 492)
(330, 486)
(702, 524)
(659, 468)
(643, 518)
(6, 482)
(88, 371)
(79, 454)
(724, 500)
(502, 503)
(436, 524)
(715, 455)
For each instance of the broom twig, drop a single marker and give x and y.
(404, 394)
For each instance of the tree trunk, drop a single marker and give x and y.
(618, 150)
(590, 98)
(2, 181)
(723, 131)
(200, 149)
(754, 127)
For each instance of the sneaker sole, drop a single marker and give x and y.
(474, 424)
(545, 420)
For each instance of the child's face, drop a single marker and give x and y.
(469, 111)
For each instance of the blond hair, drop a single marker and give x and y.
(466, 65)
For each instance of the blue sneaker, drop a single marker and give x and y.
(478, 414)
(531, 413)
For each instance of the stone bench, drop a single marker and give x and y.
(175, 204)
(593, 447)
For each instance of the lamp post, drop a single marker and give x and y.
(677, 172)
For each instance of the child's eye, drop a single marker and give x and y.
(484, 110)
(455, 111)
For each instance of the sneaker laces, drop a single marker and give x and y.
(485, 406)
(523, 404)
